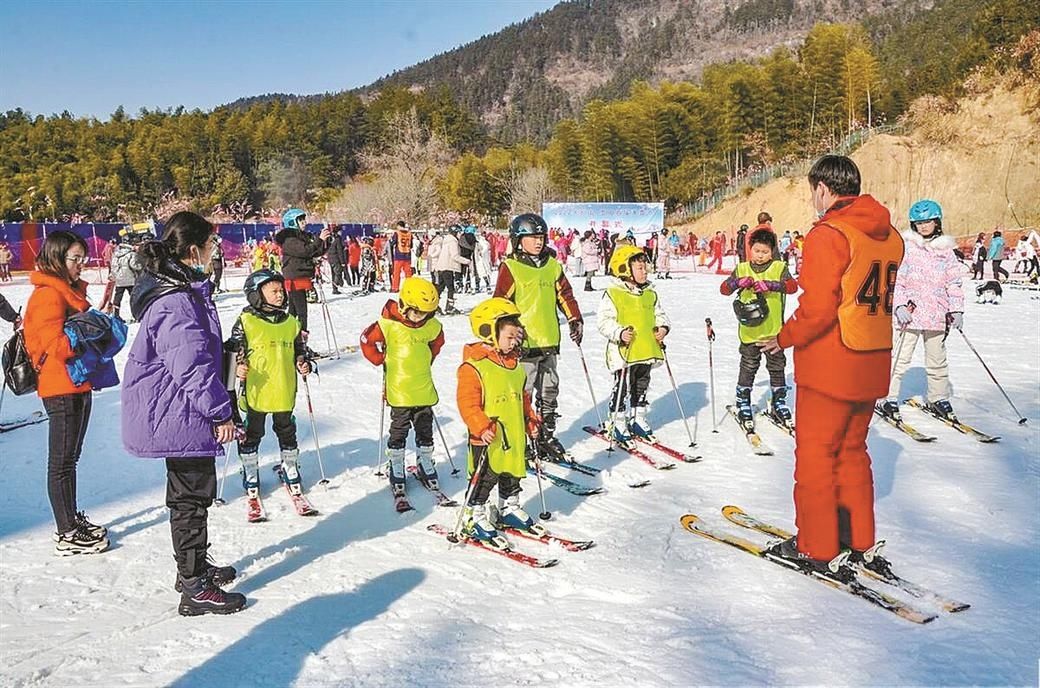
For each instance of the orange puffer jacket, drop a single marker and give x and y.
(50, 304)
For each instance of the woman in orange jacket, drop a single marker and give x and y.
(58, 293)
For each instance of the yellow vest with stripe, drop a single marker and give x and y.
(271, 382)
(534, 293)
(637, 311)
(409, 363)
(770, 327)
(503, 392)
(867, 288)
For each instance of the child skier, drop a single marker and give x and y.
(631, 318)
(405, 341)
(928, 302)
(534, 280)
(497, 411)
(762, 283)
(270, 349)
(367, 266)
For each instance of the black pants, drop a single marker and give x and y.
(630, 388)
(368, 281)
(298, 306)
(997, 270)
(337, 274)
(354, 275)
(284, 428)
(978, 269)
(404, 418)
(751, 358)
(117, 296)
(218, 273)
(191, 487)
(508, 485)
(446, 280)
(69, 415)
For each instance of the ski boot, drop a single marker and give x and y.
(871, 560)
(944, 410)
(291, 470)
(251, 485)
(778, 406)
(426, 471)
(512, 515)
(201, 595)
(836, 569)
(889, 409)
(479, 527)
(588, 284)
(745, 415)
(450, 309)
(639, 426)
(549, 447)
(395, 471)
(617, 429)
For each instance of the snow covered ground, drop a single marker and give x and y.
(362, 596)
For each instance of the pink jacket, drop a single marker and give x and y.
(930, 276)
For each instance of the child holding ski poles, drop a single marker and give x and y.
(271, 350)
(761, 283)
(929, 301)
(630, 317)
(497, 412)
(405, 341)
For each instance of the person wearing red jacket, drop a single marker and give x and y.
(718, 248)
(842, 339)
(765, 221)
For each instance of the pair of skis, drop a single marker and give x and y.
(919, 436)
(538, 534)
(401, 503)
(32, 419)
(634, 447)
(854, 586)
(256, 513)
(758, 446)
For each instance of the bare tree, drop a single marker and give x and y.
(528, 188)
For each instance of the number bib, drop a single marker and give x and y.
(867, 288)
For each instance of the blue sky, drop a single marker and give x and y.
(91, 57)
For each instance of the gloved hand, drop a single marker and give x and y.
(577, 330)
(746, 282)
(903, 316)
(761, 287)
(534, 424)
(955, 320)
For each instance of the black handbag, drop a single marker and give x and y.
(19, 372)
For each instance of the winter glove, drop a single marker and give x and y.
(746, 282)
(903, 316)
(577, 330)
(955, 320)
(761, 287)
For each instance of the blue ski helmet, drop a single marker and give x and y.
(293, 218)
(925, 209)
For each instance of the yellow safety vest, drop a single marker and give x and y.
(409, 363)
(271, 382)
(637, 311)
(503, 392)
(535, 296)
(775, 301)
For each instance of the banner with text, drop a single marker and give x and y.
(616, 218)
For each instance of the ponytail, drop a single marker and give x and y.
(183, 230)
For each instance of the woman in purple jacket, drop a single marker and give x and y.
(174, 403)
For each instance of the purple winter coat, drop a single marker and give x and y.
(172, 394)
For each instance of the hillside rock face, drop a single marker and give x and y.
(523, 79)
(981, 163)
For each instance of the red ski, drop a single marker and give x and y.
(519, 557)
(548, 538)
(300, 503)
(256, 512)
(669, 451)
(645, 458)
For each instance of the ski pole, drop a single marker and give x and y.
(622, 384)
(454, 470)
(546, 514)
(326, 319)
(678, 401)
(588, 381)
(473, 480)
(382, 416)
(223, 479)
(711, 372)
(314, 433)
(1021, 418)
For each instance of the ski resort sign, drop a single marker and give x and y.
(615, 218)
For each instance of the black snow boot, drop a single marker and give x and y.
(200, 595)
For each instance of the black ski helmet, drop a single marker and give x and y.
(526, 224)
(751, 313)
(252, 289)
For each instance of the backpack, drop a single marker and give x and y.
(19, 372)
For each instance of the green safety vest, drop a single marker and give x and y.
(271, 382)
(770, 327)
(504, 399)
(409, 363)
(535, 296)
(637, 311)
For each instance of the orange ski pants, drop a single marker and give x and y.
(832, 473)
(401, 268)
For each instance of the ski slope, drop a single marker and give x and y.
(363, 596)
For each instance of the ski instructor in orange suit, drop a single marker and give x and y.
(842, 338)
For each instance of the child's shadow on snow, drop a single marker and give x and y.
(283, 643)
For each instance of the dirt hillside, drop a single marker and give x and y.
(985, 173)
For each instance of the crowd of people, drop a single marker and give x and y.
(189, 389)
